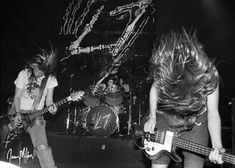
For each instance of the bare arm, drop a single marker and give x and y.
(214, 122)
(214, 126)
(49, 101)
(17, 98)
(153, 99)
(49, 97)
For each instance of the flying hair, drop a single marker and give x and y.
(45, 61)
(182, 72)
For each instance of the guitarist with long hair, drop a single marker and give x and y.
(185, 93)
(34, 89)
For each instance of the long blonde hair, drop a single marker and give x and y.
(183, 73)
(44, 61)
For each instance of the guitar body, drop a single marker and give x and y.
(6, 122)
(167, 127)
(157, 150)
(4, 129)
(8, 132)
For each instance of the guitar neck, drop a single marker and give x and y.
(45, 110)
(200, 149)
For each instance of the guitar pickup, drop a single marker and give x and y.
(158, 136)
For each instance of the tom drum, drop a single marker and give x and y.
(91, 101)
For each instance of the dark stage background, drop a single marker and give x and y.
(28, 25)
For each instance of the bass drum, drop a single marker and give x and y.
(102, 121)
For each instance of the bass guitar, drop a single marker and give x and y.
(12, 131)
(166, 140)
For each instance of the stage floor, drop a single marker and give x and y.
(72, 151)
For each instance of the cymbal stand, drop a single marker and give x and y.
(75, 120)
(68, 120)
(139, 106)
(69, 107)
(139, 87)
(130, 115)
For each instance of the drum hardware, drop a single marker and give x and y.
(68, 120)
(139, 107)
(140, 96)
(83, 118)
(76, 119)
(130, 115)
(79, 120)
(120, 109)
(75, 122)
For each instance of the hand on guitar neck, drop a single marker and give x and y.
(17, 120)
(52, 109)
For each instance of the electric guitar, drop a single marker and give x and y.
(165, 141)
(13, 131)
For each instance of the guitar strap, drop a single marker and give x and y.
(41, 90)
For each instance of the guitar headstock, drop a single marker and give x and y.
(75, 96)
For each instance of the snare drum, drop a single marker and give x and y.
(102, 121)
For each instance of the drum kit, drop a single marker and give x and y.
(107, 113)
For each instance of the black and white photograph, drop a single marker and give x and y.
(117, 84)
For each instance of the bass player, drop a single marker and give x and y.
(186, 83)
